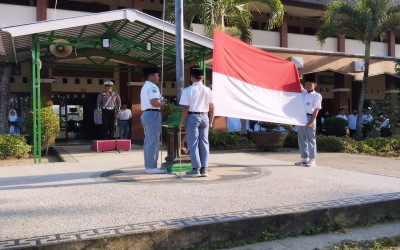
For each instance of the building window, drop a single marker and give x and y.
(24, 79)
(101, 81)
(77, 81)
(309, 31)
(12, 80)
(294, 29)
(89, 81)
(254, 25)
(173, 85)
(163, 84)
(326, 79)
(65, 80)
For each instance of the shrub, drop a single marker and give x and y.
(379, 144)
(335, 126)
(336, 144)
(223, 139)
(291, 141)
(13, 146)
(49, 123)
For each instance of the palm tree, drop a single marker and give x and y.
(4, 97)
(234, 14)
(364, 20)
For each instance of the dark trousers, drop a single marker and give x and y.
(123, 129)
(108, 119)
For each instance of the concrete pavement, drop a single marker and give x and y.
(97, 195)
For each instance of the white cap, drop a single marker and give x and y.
(110, 83)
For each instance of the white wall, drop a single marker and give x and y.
(198, 28)
(397, 49)
(265, 38)
(357, 47)
(16, 14)
(64, 14)
(307, 42)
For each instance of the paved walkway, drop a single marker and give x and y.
(101, 194)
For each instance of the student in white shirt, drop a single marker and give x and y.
(306, 135)
(151, 105)
(125, 116)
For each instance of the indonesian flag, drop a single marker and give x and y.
(249, 83)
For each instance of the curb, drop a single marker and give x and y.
(202, 231)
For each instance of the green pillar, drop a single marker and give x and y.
(202, 64)
(36, 105)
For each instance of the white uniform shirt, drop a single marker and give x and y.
(125, 114)
(352, 121)
(149, 91)
(233, 124)
(367, 118)
(197, 97)
(312, 101)
(343, 116)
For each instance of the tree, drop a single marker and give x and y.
(364, 20)
(234, 14)
(4, 97)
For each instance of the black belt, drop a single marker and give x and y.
(197, 113)
(309, 114)
(157, 110)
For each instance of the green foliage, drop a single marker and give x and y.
(230, 13)
(13, 146)
(291, 141)
(335, 126)
(389, 106)
(49, 124)
(168, 109)
(223, 139)
(329, 144)
(379, 146)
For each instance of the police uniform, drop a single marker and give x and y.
(151, 122)
(197, 98)
(109, 103)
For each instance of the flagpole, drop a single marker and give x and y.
(179, 48)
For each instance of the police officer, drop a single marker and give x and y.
(151, 105)
(108, 103)
(198, 111)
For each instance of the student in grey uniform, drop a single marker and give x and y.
(108, 103)
(198, 112)
(306, 134)
(151, 105)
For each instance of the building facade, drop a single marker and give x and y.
(336, 66)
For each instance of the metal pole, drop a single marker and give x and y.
(179, 48)
(37, 154)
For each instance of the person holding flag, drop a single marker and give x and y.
(306, 134)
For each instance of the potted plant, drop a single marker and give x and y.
(271, 135)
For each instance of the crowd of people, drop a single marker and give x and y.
(379, 125)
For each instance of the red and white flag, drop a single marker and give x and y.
(249, 83)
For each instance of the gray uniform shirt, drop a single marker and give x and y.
(102, 99)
